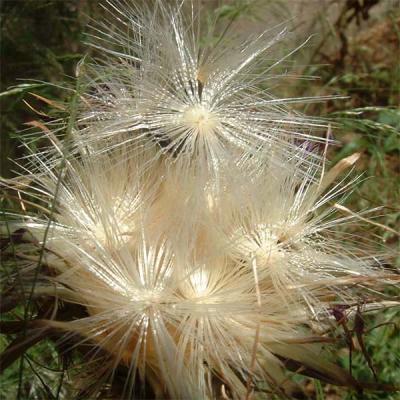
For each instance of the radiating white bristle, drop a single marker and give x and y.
(192, 222)
(199, 103)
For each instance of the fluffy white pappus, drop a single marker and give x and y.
(287, 224)
(177, 276)
(94, 202)
(155, 83)
(185, 328)
(200, 285)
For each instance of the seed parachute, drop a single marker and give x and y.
(189, 218)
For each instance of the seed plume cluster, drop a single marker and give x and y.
(190, 213)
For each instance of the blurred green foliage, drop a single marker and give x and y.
(41, 42)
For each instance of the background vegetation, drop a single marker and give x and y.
(354, 52)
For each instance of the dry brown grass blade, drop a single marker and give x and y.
(355, 215)
(382, 279)
(46, 131)
(328, 178)
(312, 339)
(51, 103)
(16, 327)
(295, 366)
(36, 111)
(16, 183)
(38, 124)
(21, 344)
(31, 203)
(348, 380)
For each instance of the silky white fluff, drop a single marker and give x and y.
(202, 104)
(177, 276)
(201, 280)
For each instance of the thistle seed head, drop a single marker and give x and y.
(192, 224)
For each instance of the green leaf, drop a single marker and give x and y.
(23, 87)
(392, 143)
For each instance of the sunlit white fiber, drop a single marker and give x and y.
(96, 200)
(195, 282)
(172, 294)
(200, 104)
